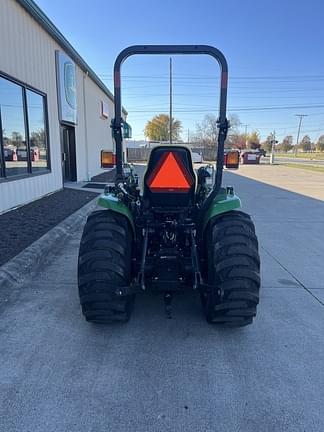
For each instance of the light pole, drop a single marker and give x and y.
(273, 143)
(301, 116)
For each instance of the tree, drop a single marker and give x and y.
(286, 144)
(17, 139)
(207, 130)
(267, 144)
(253, 140)
(236, 141)
(233, 133)
(158, 129)
(306, 143)
(37, 138)
(320, 143)
(239, 140)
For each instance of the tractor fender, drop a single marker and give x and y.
(112, 203)
(225, 201)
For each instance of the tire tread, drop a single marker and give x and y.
(104, 264)
(233, 270)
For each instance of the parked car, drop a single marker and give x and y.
(10, 153)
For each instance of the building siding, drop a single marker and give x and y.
(28, 54)
(99, 136)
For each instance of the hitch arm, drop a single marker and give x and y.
(141, 274)
(195, 262)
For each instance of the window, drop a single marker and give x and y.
(13, 128)
(23, 132)
(37, 131)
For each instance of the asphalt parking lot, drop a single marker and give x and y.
(58, 373)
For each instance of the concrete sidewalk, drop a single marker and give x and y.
(297, 180)
(58, 373)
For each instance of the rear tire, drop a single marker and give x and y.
(104, 268)
(233, 274)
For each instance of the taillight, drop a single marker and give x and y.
(232, 160)
(108, 159)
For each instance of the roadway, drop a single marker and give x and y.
(59, 373)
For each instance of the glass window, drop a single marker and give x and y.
(37, 131)
(20, 154)
(13, 128)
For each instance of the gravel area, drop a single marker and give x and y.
(21, 227)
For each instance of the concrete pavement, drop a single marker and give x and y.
(58, 373)
(302, 182)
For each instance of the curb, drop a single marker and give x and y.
(26, 263)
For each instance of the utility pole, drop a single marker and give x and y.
(188, 136)
(273, 143)
(170, 126)
(246, 137)
(301, 116)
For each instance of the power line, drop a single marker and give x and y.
(212, 77)
(240, 109)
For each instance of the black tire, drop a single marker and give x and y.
(233, 273)
(104, 265)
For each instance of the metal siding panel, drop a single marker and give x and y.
(80, 130)
(99, 131)
(28, 54)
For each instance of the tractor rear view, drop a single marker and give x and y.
(178, 232)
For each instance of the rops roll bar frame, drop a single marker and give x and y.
(117, 122)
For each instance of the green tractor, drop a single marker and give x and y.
(178, 232)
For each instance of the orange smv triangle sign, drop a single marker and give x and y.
(171, 176)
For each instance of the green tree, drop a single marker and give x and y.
(158, 129)
(320, 144)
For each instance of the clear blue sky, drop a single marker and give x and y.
(274, 50)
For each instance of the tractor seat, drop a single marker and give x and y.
(169, 180)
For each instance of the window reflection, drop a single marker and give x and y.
(20, 154)
(13, 128)
(37, 135)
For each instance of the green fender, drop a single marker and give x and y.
(112, 203)
(225, 201)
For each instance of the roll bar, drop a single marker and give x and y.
(172, 49)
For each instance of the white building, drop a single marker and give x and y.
(55, 113)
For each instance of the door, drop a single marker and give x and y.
(69, 154)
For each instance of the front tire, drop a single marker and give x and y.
(104, 268)
(233, 274)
